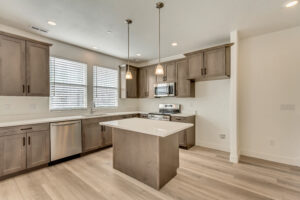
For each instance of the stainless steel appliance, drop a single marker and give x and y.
(165, 111)
(164, 90)
(65, 139)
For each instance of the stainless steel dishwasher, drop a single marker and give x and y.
(65, 139)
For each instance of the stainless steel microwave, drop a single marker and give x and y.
(164, 90)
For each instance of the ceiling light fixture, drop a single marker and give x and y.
(138, 54)
(109, 32)
(159, 70)
(291, 4)
(95, 47)
(128, 72)
(52, 23)
(174, 44)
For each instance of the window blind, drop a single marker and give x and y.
(68, 84)
(105, 87)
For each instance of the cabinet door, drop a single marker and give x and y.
(91, 133)
(161, 78)
(12, 66)
(107, 136)
(151, 80)
(131, 85)
(38, 148)
(143, 83)
(12, 154)
(195, 63)
(182, 139)
(170, 72)
(214, 63)
(184, 85)
(37, 69)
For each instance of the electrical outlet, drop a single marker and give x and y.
(222, 136)
(288, 107)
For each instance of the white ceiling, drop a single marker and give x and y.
(192, 23)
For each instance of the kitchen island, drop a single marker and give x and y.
(145, 149)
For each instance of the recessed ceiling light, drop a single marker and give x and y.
(109, 32)
(52, 23)
(291, 4)
(95, 47)
(138, 54)
(174, 44)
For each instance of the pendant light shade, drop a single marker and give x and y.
(128, 72)
(159, 70)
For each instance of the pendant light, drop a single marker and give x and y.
(128, 72)
(159, 70)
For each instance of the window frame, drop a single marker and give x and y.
(68, 84)
(95, 86)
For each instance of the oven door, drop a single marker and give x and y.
(161, 90)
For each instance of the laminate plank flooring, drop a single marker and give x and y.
(203, 174)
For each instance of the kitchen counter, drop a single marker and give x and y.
(147, 126)
(60, 119)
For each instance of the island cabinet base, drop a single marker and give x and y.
(150, 159)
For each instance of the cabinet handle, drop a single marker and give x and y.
(28, 88)
(23, 88)
(23, 141)
(29, 140)
(25, 129)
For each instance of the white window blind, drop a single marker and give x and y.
(105, 92)
(68, 84)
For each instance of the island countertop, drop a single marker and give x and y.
(148, 126)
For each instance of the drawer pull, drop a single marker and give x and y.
(29, 140)
(23, 141)
(25, 129)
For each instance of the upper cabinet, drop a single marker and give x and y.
(169, 73)
(24, 66)
(143, 83)
(184, 87)
(151, 79)
(210, 64)
(128, 87)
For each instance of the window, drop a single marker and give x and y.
(68, 84)
(105, 92)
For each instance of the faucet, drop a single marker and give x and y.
(92, 107)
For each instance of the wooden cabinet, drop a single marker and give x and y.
(12, 66)
(38, 148)
(143, 83)
(210, 64)
(23, 147)
(195, 65)
(91, 134)
(24, 66)
(169, 73)
(184, 87)
(12, 154)
(151, 77)
(128, 87)
(187, 137)
(37, 69)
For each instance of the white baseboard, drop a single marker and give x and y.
(274, 158)
(212, 146)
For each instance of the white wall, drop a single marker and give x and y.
(211, 105)
(31, 107)
(269, 96)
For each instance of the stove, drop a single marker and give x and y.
(165, 111)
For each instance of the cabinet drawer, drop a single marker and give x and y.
(23, 129)
(179, 119)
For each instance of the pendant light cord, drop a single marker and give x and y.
(128, 51)
(159, 35)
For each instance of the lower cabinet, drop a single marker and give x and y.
(23, 148)
(187, 137)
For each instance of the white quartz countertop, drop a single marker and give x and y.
(59, 119)
(148, 126)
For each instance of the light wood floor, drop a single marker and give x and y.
(203, 174)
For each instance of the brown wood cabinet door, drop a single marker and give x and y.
(131, 85)
(38, 148)
(143, 83)
(37, 69)
(107, 136)
(195, 63)
(151, 80)
(170, 72)
(184, 85)
(12, 66)
(214, 63)
(91, 133)
(12, 154)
